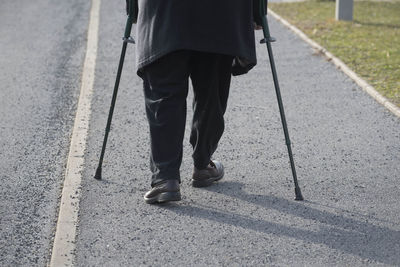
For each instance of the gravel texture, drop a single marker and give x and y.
(41, 52)
(346, 148)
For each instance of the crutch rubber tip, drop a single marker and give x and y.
(271, 40)
(299, 196)
(97, 176)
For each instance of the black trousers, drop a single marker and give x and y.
(166, 83)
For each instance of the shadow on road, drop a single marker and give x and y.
(392, 26)
(360, 238)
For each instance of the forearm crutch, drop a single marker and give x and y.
(262, 18)
(132, 16)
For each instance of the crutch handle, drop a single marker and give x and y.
(260, 8)
(132, 12)
(132, 9)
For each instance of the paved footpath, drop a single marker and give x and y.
(347, 152)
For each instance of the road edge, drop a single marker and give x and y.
(340, 65)
(63, 250)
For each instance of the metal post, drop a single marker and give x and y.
(344, 10)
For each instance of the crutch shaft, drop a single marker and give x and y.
(111, 112)
(280, 104)
(126, 39)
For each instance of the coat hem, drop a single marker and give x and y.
(237, 70)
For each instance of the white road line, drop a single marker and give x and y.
(64, 242)
(340, 65)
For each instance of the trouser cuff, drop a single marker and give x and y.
(159, 178)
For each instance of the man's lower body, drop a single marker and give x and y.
(166, 83)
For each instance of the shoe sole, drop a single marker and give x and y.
(164, 197)
(207, 182)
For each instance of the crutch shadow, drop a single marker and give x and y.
(353, 236)
(376, 24)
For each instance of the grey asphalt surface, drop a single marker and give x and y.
(347, 153)
(41, 54)
(346, 148)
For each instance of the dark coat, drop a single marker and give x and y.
(215, 26)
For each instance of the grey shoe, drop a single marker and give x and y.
(206, 177)
(168, 190)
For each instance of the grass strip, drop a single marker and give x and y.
(369, 45)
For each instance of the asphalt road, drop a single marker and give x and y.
(346, 148)
(41, 54)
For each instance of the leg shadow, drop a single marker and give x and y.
(338, 232)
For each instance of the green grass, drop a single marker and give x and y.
(370, 45)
